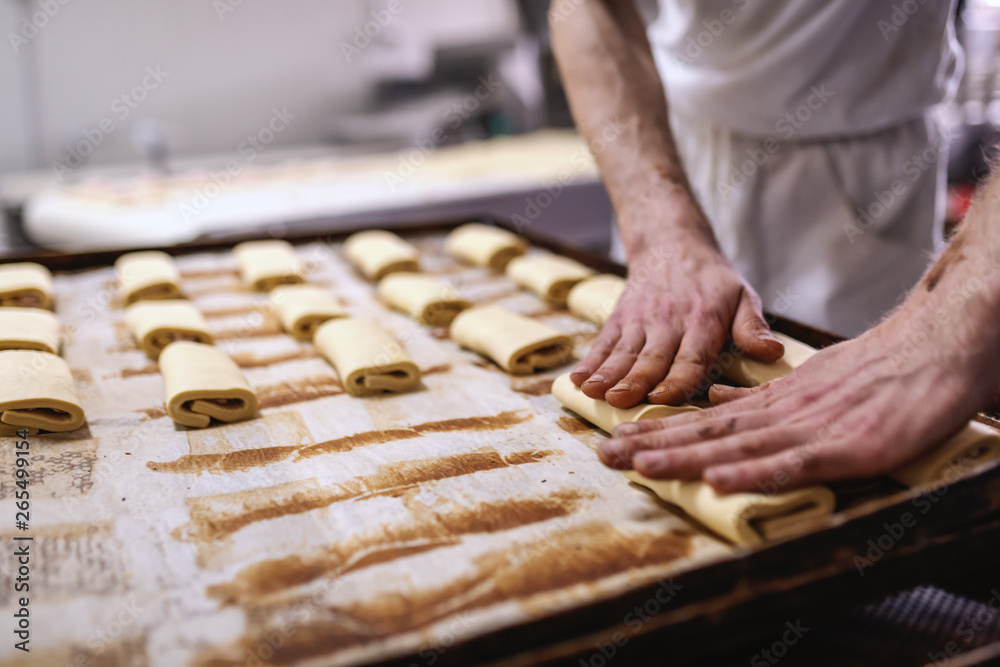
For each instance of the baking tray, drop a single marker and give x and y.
(558, 604)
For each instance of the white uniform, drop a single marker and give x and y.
(807, 130)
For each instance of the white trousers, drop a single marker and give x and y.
(831, 233)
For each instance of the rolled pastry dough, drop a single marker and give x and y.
(148, 274)
(25, 285)
(427, 299)
(747, 519)
(595, 298)
(302, 308)
(484, 245)
(377, 253)
(972, 446)
(743, 518)
(368, 359)
(156, 324)
(549, 276)
(37, 393)
(202, 382)
(747, 372)
(266, 264)
(29, 329)
(599, 413)
(516, 343)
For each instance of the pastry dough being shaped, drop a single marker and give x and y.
(427, 299)
(972, 446)
(156, 324)
(484, 245)
(549, 276)
(516, 343)
(743, 518)
(302, 308)
(368, 359)
(25, 285)
(595, 298)
(203, 383)
(29, 329)
(600, 414)
(148, 274)
(377, 253)
(747, 372)
(37, 393)
(747, 519)
(266, 264)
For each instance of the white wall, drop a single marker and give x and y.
(225, 70)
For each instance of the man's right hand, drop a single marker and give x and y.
(681, 304)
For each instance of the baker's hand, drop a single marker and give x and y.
(680, 304)
(860, 408)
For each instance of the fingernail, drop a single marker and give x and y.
(595, 378)
(766, 335)
(626, 429)
(621, 387)
(721, 476)
(650, 460)
(611, 448)
(581, 369)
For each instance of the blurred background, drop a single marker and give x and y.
(95, 92)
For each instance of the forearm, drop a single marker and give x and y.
(952, 315)
(611, 82)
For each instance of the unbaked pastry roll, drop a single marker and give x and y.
(37, 393)
(427, 299)
(148, 274)
(972, 446)
(25, 285)
(747, 519)
(203, 383)
(367, 358)
(29, 329)
(484, 245)
(595, 298)
(377, 253)
(516, 343)
(600, 414)
(156, 324)
(266, 264)
(748, 372)
(743, 518)
(549, 276)
(302, 308)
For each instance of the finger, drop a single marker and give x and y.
(650, 367)
(795, 467)
(751, 332)
(617, 364)
(696, 353)
(672, 437)
(720, 394)
(598, 352)
(690, 461)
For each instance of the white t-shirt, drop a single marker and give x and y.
(801, 69)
